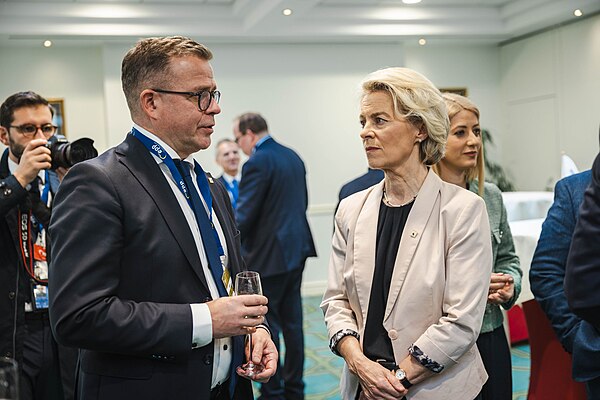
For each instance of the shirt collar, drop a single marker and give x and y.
(261, 141)
(228, 178)
(172, 153)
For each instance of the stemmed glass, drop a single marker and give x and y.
(248, 282)
(9, 379)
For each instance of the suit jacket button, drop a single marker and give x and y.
(11, 295)
(393, 334)
(208, 359)
(194, 345)
(207, 299)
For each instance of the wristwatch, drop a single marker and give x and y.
(401, 375)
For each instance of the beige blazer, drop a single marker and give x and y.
(439, 285)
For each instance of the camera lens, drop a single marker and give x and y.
(81, 150)
(65, 154)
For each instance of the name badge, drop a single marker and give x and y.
(40, 297)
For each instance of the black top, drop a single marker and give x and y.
(391, 222)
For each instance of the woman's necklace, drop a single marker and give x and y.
(387, 202)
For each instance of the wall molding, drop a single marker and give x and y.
(314, 288)
(321, 209)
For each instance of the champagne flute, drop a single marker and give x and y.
(248, 282)
(9, 379)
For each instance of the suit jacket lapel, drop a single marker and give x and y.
(411, 236)
(364, 246)
(145, 169)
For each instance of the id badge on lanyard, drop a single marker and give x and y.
(34, 259)
(40, 264)
(39, 293)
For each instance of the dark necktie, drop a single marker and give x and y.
(206, 227)
(234, 193)
(212, 253)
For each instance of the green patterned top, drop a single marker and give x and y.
(504, 257)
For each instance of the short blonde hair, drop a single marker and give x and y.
(455, 104)
(419, 101)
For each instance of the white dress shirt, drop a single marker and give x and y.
(201, 318)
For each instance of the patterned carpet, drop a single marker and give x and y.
(322, 368)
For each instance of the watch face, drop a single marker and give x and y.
(400, 374)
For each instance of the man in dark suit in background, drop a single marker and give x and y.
(145, 247)
(582, 280)
(276, 240)
(547, 276)
(363, 182)
(367, 180)
(228, 158)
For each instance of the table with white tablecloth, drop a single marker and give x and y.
(526, 212)
(527, 205)
(525, 236)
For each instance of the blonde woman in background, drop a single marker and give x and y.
(398, 306)
(463, 166)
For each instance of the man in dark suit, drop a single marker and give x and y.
(276, 240)
(367, 180)
(363, 182)
(228, 158)
(27, 189)
(547, 275)
(582, 280)
(145, 247)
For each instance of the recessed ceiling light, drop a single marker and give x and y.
(287, 12)
(422, 42)
(47, 43)
(577, 13)
(411, 1)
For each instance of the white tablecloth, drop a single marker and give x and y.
(527, 205)
(525, 235)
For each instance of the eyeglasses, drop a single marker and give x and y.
(29, 130)
(205, 97)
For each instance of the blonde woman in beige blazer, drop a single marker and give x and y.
(411, 258)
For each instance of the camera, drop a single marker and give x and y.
(66, 154)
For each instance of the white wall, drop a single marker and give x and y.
(309, 95)
(550, 85)
(74, 74)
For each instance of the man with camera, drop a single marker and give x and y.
(27, 187)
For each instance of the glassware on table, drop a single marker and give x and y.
(9, 379)
(248, 282)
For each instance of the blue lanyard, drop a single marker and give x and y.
(46, 190)
(201, 180)
(44, 198)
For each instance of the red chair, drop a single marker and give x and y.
(517, 325)
(550, 377)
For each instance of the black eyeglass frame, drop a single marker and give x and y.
(20, 129)
(214, 95)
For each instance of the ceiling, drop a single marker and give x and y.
(29, 22)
